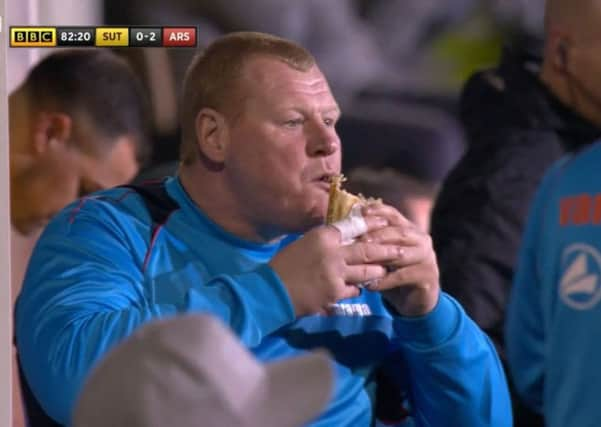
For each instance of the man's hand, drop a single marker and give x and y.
(412, 286)
(317, 270)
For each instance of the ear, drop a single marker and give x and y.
(560, 52)
(51, 130)
(212, 134)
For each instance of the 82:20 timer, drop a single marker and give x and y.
(75, 36)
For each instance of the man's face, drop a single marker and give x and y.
(585, 69)
(283, 146)
(583, 62)
(61, 174)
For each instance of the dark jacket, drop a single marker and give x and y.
(516, 129)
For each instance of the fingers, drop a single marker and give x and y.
(420, 274)
(356, 274)
(410, 255)
(353, 227)
(406, 236)
(370, 253)
(375, 222)
(392, 215)
(350, 291)
(360, 255)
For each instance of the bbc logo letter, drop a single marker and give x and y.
(32, 37)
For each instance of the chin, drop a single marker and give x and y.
(316, 216)
(26, 229)
(304, 223)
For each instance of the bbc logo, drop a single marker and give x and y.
(32, 37)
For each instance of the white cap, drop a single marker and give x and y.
(193, 371)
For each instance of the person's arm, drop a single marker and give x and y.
(453, 374)
(85, 291)
(524, 330)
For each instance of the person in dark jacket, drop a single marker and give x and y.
(519, 119)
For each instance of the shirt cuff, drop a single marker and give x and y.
(432, 329)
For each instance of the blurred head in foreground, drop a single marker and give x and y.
(192, 371)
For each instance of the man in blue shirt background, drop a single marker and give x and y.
(553, 315)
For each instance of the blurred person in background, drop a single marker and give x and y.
(553, 315)
(413, 198)
(362, 44)
(538, 104)
(240, 234)
(77, 124)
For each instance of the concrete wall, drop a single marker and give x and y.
(5, 297)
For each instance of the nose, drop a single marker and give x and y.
(322, 140)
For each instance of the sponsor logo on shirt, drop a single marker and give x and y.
(580, 285)
(580, 209)
(350, 310)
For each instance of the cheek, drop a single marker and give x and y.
(587, 66)
(276, 166)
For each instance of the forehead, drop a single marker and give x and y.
(269, 80)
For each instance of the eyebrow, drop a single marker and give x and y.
(333, 109)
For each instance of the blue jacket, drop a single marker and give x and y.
(554, 316)
(101, 269)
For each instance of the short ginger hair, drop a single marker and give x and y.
(212, 79)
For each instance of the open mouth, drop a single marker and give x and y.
(323, 181)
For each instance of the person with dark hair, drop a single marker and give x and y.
(239, 234)
(77, 124)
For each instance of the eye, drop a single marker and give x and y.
(294, 122)
(329, 122)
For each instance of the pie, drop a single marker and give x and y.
(340, 202)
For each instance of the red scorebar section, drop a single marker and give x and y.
(179, 36)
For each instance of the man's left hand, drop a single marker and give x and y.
(412, 286)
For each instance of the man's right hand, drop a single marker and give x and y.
(317, 270)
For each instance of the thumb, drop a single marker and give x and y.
(350, 291)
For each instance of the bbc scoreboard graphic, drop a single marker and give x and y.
(103, 36)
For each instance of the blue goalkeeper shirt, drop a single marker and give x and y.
(103, 268)
(554, 315)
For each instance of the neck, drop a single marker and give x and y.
(571, 94)
(209, 192)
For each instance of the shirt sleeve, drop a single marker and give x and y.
(524, 332)
(84, 292)
(453, 374)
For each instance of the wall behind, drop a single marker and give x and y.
(5, 297)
